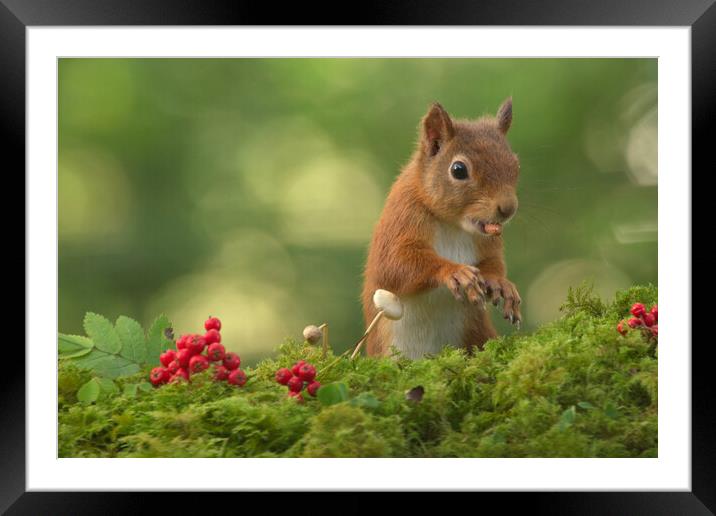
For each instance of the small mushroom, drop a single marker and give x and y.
(388, 306)
(312, 333)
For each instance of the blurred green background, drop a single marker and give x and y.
(248, 188)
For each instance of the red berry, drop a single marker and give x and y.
(179, 376)
(649, 319)
(313, 388)
(237, 377)
(196, 344)
(198, 363)
(654, 330)
(283, 375)
(634, 322)
(212, 323)
(158, 376)
(220, 373)
(621, 329)
(655, 312)
(638, 309)
(295, 384)
(173, 366)
(212, 336)
(167, 357)
(307, 372)
(231, 361)
(216, 352)
(297, 366)
(183, 357)
(181, 342)
(296, 395)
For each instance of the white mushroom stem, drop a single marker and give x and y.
(365, 335)
(388, 305)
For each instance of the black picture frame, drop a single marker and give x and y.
(700, 15)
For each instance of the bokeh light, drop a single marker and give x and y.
(547, 291)
(100, 205)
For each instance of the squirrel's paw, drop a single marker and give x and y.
(502, 288)
(466, 283)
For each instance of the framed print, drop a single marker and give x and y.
(422, 252)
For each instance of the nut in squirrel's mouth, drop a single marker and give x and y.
(489, 228)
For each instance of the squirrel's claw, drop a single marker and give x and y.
(503, 289)
(465, 285)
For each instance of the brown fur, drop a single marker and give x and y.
(401, 257)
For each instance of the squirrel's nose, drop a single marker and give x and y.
(506, 209)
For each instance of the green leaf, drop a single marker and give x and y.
(130, 390)
(366, 400)
(72, 346)
(498, 437)
(567, 418)
(89, 392)
(156, 340)
(107, 364)
(585, 405)
(107, 387)
(611, 411)
(131, 334)
(145, 386)
(332, 393)
(102, 333)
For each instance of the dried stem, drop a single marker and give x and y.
(338, 359)
(365, 335)
(324, 328)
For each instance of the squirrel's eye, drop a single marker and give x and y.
(458, 170)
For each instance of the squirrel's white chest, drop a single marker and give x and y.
(435, 319)
(454, 244)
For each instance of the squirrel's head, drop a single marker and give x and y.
(468, 171)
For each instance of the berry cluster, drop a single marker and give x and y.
(189, 358)
(302, 374)
(646, 321)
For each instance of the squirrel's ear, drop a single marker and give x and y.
(504, 116)
(436, 129)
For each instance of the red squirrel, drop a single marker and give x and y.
(438, 242)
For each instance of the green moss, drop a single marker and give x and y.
(345, 431)
(574, 388)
